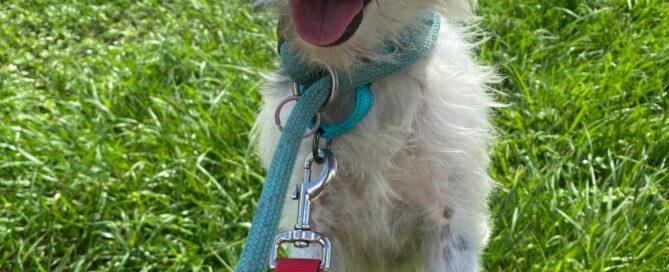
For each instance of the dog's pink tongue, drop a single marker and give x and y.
(323, 22)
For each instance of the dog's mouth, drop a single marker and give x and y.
(326, 22)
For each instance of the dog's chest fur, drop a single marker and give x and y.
(411, 173)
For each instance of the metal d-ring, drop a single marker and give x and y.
(296, 89)
(277, 116)
(333, 89)
(296, 96)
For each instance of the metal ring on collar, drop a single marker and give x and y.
(296, 89)
(277, 116)
(333, 89)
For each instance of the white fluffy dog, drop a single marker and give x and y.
(411, 189)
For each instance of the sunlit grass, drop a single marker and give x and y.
(582, 155)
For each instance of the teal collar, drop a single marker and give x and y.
(306, 75)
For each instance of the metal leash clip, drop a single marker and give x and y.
(308, 191)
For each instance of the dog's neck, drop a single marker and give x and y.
(412, 46)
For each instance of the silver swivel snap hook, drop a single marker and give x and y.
(311, 189)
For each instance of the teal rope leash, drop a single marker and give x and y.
(259, 241)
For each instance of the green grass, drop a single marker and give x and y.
(124, 134)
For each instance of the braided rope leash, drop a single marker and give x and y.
(415, 45)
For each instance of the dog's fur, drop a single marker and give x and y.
(410, 193)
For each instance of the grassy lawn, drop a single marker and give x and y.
(124, 134)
